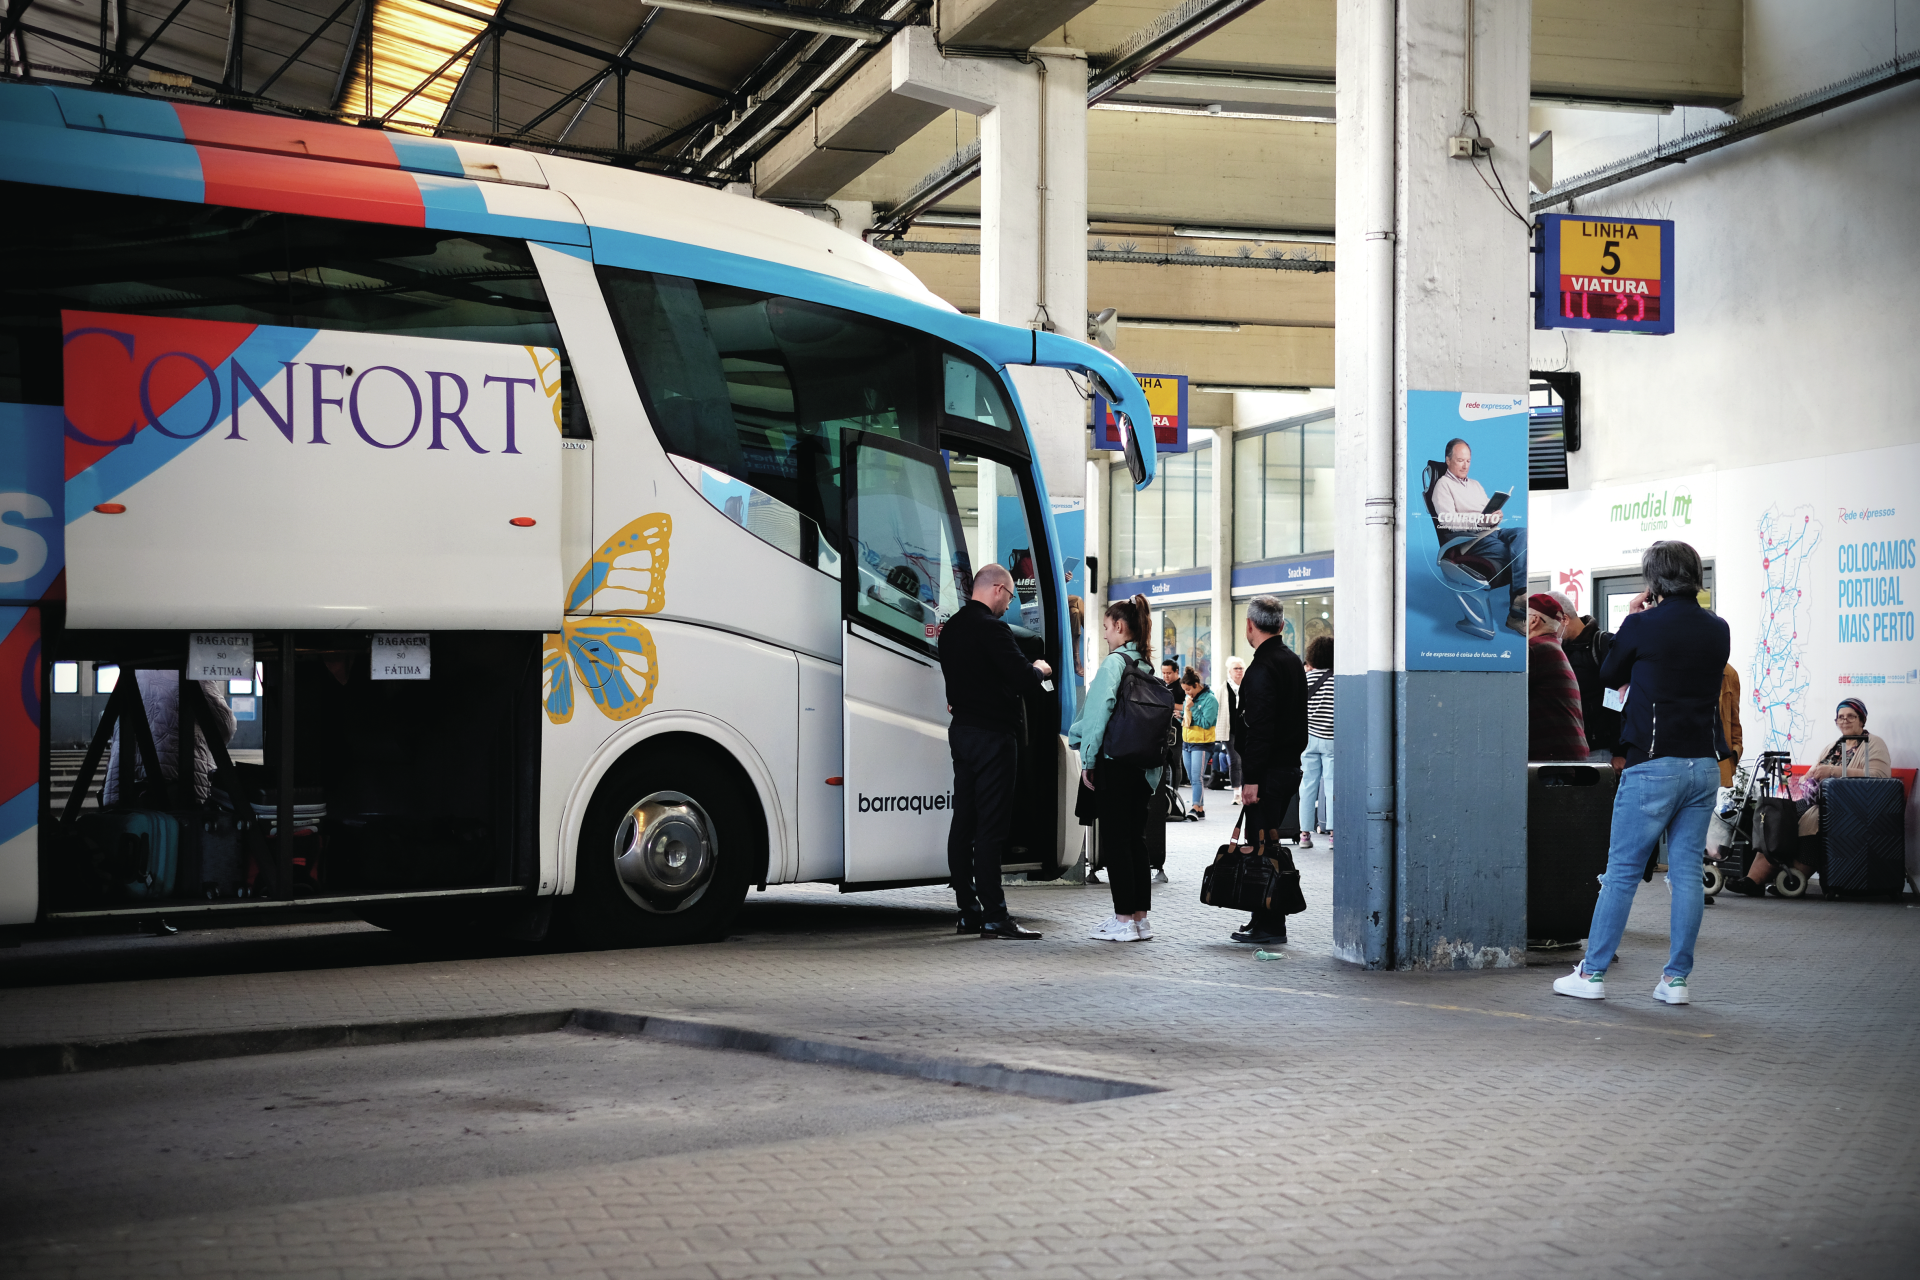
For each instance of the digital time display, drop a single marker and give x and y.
(1611, 274)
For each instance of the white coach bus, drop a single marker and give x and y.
(576, 537)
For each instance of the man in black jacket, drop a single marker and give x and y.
(986, 674)
(1586, 647)
(1271, 732)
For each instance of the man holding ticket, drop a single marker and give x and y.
(1461, 505)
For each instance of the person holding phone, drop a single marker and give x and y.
(1671, 652)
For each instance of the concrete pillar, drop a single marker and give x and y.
(1221, 518)
(1033, 214)
(1430, 795)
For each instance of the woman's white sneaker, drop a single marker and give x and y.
(1115, 929)
(1142, 929)
(1672, 991)
(1582, 985)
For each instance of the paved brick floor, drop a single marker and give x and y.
(1317, 1121)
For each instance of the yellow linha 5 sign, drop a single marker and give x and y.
(1608, 274)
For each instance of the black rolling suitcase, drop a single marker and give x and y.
(1863, 822)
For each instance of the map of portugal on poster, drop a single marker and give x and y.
(1779, 676)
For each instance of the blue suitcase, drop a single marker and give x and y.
(1864, 824)
(141, 848)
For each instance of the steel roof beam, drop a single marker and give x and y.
(576, 46)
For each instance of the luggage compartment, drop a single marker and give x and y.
(392, 786)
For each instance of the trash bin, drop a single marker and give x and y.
(1569, 822)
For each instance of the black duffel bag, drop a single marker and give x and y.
(1257, 877)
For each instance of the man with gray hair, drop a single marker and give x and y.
(1271, 731)
(986, 675)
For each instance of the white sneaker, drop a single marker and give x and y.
(1115, 929)
(1672, 990)
(1143, 928)
(1582, 985)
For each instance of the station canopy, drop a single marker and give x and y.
(697, 88)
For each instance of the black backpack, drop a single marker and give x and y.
(1142, 712)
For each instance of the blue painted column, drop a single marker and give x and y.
(1432, 296)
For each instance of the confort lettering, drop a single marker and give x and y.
(295, 399)
(905, 804)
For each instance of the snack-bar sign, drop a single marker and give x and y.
(1166, 396)
(1606, 274)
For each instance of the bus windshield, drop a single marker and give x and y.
(754, 394)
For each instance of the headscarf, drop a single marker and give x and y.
(1838, 752)
(1541, 602)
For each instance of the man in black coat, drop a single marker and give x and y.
(1271, 733)
(986, 673)
(1586, 647)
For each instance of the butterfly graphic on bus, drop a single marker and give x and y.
(612, 655)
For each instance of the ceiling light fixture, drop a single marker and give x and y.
(1203, 326)
(1254, 233)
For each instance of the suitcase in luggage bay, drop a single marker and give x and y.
(138, 849)
(1864, 823)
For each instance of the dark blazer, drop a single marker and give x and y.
(1270, 728)
(1672, 655)
(985, 670)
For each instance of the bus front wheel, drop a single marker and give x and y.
(671, 841)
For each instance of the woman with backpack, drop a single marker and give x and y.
(1121, 789)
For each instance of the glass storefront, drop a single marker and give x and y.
(1283, 489)
(1170, 526)
(1307, 617)
(1186, 636)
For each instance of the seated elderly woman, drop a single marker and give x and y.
(1869, 759)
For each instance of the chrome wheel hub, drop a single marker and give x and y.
(664, 852)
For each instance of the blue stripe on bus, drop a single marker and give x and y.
(22, 813)
(30, 104)
(460, 204)
(427, 155)
(119, 113)
(151, 450)
(92, 161)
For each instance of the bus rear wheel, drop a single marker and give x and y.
(667, 850)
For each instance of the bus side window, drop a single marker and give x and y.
(753, 394)
(90, 251)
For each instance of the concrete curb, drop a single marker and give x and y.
(18, 1062)
(980, 1073)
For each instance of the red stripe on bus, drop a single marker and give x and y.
(280, 135)
(282, 184)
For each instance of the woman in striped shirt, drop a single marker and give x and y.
(1316, 762)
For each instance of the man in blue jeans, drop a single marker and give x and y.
(1668, 654)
